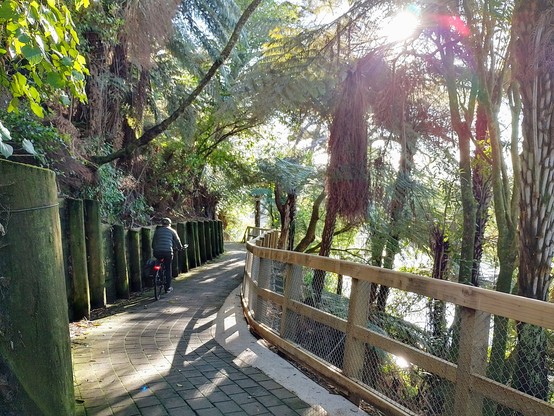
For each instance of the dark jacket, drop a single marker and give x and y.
(165, 240)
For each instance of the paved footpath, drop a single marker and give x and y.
(190, 353)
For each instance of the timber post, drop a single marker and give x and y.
(122, 275)
(135, 269)
(35, 349)
(191, 256)
(202, 241)
(95, 265)
(80, 292)
(183, 260)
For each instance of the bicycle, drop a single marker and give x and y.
(160, 275)
(159, 278)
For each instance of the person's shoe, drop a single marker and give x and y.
(169, 289)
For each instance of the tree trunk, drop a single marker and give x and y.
(318, 282)
(314, 218)
(481, 190)
(534, 41)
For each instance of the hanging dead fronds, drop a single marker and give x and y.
(148, 28)
(347, 174)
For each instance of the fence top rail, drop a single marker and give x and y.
(515, 307)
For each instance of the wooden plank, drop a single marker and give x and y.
(510, 306)
(304, 310)
(512, 398)
(429, 362)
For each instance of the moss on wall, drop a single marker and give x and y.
(34, 329)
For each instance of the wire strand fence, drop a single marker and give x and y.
(405, 344)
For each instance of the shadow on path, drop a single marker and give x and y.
(161, 357)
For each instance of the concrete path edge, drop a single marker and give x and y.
(231, 332)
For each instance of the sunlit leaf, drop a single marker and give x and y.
(12, 106)
(67, 61)
(20, 79)
(65, 99)
(55, 80)
(6, 10)
(37, 109)
(34, 94)
(5, 149)
(24, 38)
(4, 133)
(28, 147)
(40, 43)
(33, 55)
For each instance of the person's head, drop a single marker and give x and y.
(166, 222)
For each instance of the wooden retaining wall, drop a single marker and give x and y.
(105, 262)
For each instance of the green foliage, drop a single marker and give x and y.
(39, 56)
(28, 133)
(119, 201)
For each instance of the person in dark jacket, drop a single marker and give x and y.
(164, 243)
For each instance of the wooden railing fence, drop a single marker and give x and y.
(360, 354)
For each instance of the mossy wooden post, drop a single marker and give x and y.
(146, 244)
(221, 237)
(191, 256)
(121, 266)
(35, 349)
(215, 238)
(202, 241)
(208, 230)
(95, 264)
(215, 250)
(175, 266)
(110, 272)
(135, 269)
(195, 227)
(183, 260)
(146, 250)
(80, 293)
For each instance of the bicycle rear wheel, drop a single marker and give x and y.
(159, 283)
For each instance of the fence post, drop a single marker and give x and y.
(472, 359)
(354, 350)
(221, 237)
(198, 259)
(214, 239)
(208, 231)
(95, 265)
(183, 260)
(146, 244)
(191, 249)
(35, 349)
(80, 296)
(122, 274)
(202, 241)
(108, 254)
(264, 279)
(293, 291)
(175, 264)
(135, 269)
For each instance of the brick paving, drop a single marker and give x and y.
(160, 357)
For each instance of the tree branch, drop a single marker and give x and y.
(158, 129)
